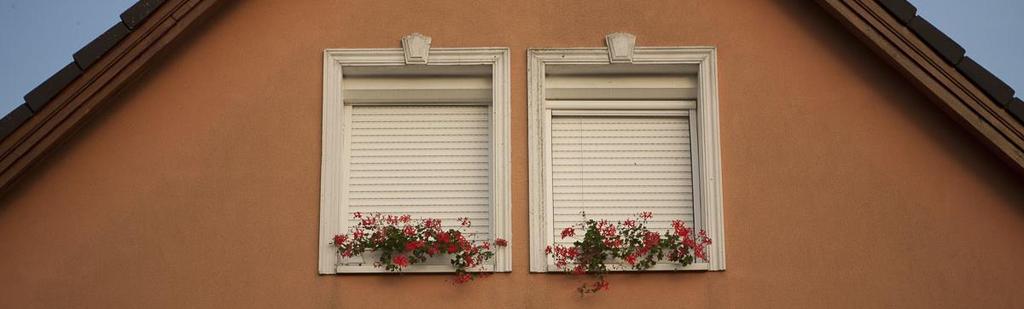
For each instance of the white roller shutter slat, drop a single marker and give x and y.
(428, 161)
(613, 167)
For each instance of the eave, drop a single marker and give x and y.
(56, 108)
(936, 64)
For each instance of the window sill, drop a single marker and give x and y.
(422, 269)
(659, 267)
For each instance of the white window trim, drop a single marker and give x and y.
(332, 172)
(709, 177)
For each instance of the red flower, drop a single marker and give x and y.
(631, 259)
(413, 245)
(432, 251)
(340, 239)
(452, 249)
(579, 270)
(699, 252)
(443, 238)
(613, 243)
(462, 278)
(400, 260)
(568, 232)
(651, 239)
(409, 230)
(465, 222)
(680, 228)
(609, 231)
(500, 242)
(368, 221)
(646, 215)
(357, 215)
(547, 250)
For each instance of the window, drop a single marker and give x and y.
(427, 139)
(613, 135)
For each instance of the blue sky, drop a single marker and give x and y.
(38, 37)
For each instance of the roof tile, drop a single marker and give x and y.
(14, 119)
(901, 9)
(945, 46)
(1016, 107)
(100, 45)
(137, 13)
(988, 82)
(38, 97)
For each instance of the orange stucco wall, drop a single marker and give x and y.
(199, 187)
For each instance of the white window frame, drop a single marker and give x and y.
(708, 204)
(332, 170)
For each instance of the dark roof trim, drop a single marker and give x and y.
(57, 107)
(935, 63)
(131, 18)
(950, 50)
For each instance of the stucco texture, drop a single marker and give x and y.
(199, 185)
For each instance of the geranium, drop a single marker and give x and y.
(400, 260)
(568, 232)
(630, 241)
(402, 242)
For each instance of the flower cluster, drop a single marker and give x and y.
(402, 241)
(629, 241)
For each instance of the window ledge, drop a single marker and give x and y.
(660, 267)
(420, 269)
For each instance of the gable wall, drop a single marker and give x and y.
(199, 186)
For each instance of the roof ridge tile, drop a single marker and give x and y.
(137, 13)
(1016, 108)
(39, 96)
(91, 52)
(903, 10)
(989, 83)
(950, 50)
(14, 119)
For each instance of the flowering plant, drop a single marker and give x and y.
(402, 241)
(629, 241)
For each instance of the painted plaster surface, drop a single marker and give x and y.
(199, 185)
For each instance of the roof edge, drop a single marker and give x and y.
(61, 104)
(936, 64)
